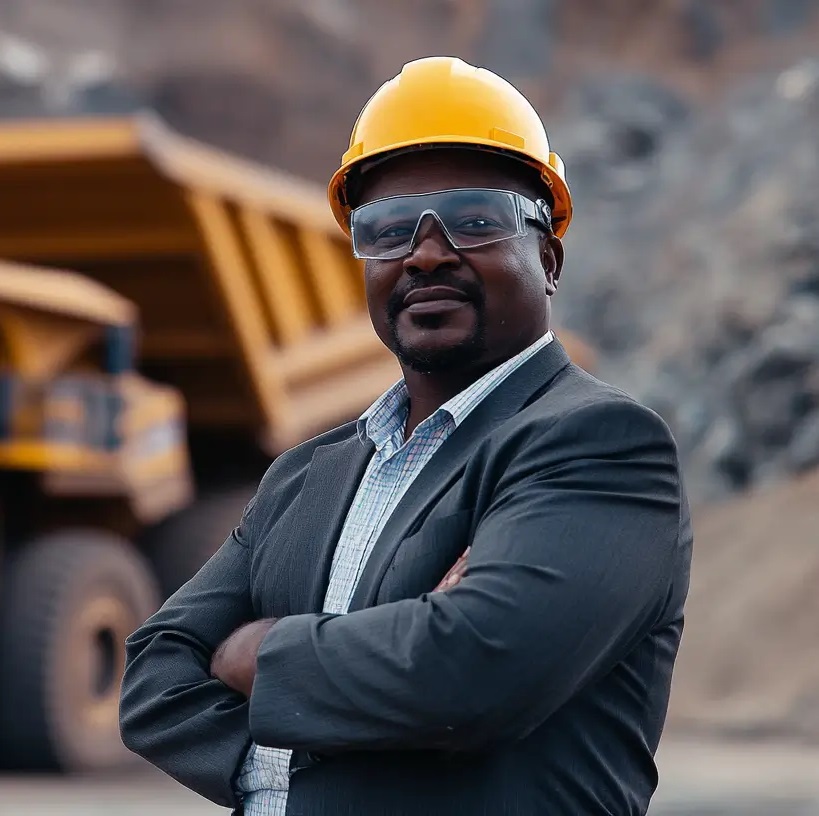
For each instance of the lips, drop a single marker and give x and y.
(432, 294)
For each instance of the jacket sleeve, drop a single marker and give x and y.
(570, 567)
(171, 712)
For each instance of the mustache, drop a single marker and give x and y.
(471, 290)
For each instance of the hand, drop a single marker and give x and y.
(453, 577)
(234, 662)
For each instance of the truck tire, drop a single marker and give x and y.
(181, 544)
(69, 601)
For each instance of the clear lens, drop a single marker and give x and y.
(472, 217)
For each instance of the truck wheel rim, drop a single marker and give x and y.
(98, 635)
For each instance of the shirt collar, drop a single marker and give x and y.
(389, 412)
(378, 423)
(461, 405)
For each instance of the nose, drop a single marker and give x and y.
(432, 250)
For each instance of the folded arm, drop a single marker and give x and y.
(172, 712)
(569, 568)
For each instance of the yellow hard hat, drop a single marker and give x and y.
(446, 101)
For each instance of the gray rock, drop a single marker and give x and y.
(725, 447)
(803, 450)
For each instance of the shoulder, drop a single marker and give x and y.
(285, 476)
(577, 404)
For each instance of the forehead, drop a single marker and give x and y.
(427, 171)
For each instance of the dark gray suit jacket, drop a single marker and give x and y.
(539, 685)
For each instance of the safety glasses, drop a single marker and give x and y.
(470, 218)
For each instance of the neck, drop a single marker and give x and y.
(428, 392)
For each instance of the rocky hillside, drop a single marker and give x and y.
(688, 127)
(695, 264)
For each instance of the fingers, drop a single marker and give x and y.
(453, 577)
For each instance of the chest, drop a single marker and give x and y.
(382, 539)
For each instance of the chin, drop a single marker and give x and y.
(433, 358)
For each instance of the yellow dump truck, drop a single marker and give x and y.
(171, 318)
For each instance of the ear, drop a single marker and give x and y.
(551, 256)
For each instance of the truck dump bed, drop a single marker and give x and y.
(249, 299)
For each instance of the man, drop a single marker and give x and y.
(310, 668)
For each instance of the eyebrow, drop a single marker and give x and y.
(473, 197)
(466, 197)
(398, 208)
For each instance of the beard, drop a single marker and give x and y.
(439, 360)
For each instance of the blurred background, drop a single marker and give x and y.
(177, 306)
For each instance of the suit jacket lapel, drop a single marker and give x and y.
(329, 488)
(449, 460)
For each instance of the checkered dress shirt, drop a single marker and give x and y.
(265, 775)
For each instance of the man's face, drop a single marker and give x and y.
(500, 302)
